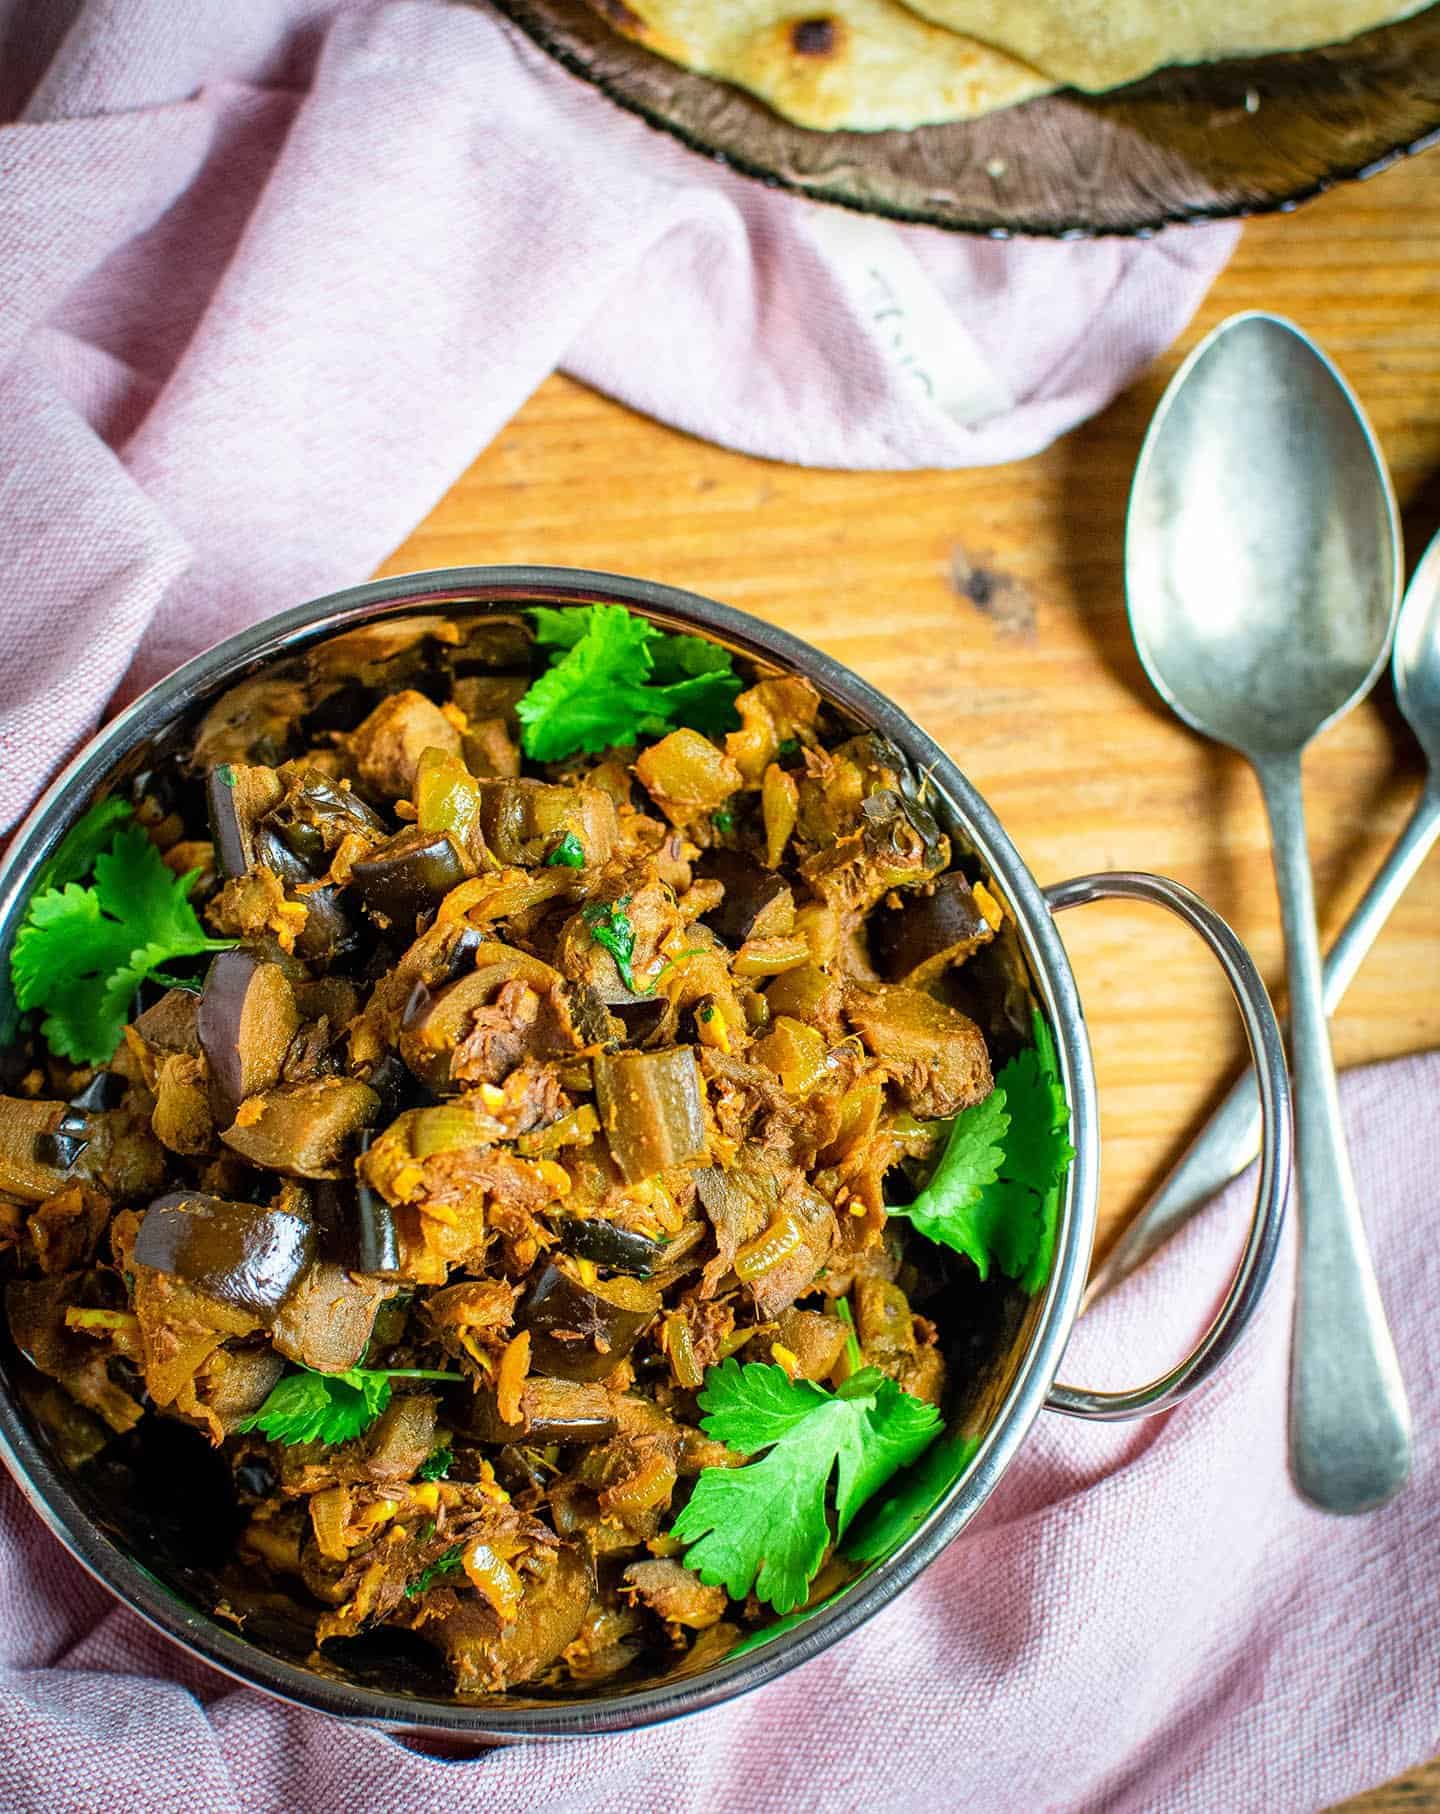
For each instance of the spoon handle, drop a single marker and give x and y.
(1349, 1422)
(1230, 1140)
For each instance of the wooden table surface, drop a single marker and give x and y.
(989, 604)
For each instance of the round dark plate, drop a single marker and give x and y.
(1204, 143)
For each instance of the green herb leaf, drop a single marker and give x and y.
(995, 1195)
(723, 821)
(307, 1406)
(611, 927)
(765, 1525)
(949, 1209)
(82, 952)
(852, 1341)
(678, 657)
(569, 853)
(437, 1464)
(620, 678)
(320, 1407)
(889, 1521)
(76, 852)
(443, 1565)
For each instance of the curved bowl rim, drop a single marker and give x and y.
(289, 632)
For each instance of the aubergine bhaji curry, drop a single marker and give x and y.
(485, 1088)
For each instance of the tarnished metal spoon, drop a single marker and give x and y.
(1262, 571)
(1230, 1140)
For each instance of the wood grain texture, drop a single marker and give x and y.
(989, 604)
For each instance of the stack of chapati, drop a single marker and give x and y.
(873, 65)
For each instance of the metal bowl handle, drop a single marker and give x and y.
(1267, 1053)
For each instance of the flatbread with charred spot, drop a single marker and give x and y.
(873, 65)
(859, 65)
(1098, 44)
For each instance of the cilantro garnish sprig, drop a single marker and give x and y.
(569, 853)
(307, 1406)
(765, 1526)
(995, 1193)
(426, 1579)
(616, 678)
(82, 951)
(612, 928)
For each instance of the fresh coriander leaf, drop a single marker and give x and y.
(558, 629)
(586, 700)
(889, 1521)
(679, 657)
(320, 1407)
(82, 952)
(852, 1341)
(764, 1525)
(723, 821)
(1010, 1218)
(611, 927)
(600, 691)
(307, 1406)
(437, 1464)
(706, 703)
(787, 746)
(132, 882)
(443, 1565)
(950, 1210)
(64, 937)
(895, 1429)
(76, 852)
(569, 853)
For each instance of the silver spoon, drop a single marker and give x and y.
(1230, 1139)
(1263, 577)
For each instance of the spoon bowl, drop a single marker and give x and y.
(1262, 558)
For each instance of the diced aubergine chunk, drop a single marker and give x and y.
(580, 1331)
(326, 1322)
(488, 1655)
(317, 813)
(937, 1056)
(327, 930)
(551, 1410)
(255, 721)
(435, 1026)
(23, 1173)
(652, 1108)
(524, 820)
(757, 904)
(303, 1130)
(607, 1244)
(171, 1024)
(930, 930)
(246, 1021)
(238, 796)
(409, 875)
(387, 746)
(243, 1255)
(676, 1593)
